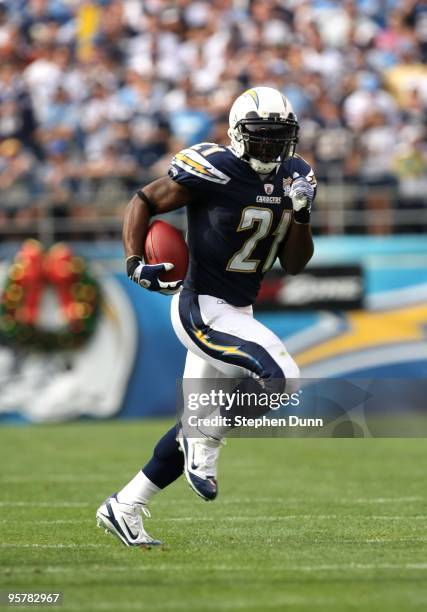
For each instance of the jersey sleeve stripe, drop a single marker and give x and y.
(194, 163)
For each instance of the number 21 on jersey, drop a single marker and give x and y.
(262, 219)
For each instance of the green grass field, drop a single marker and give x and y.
(304, 525)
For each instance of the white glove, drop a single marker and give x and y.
(301, 193)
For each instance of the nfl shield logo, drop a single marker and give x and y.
(269, 188)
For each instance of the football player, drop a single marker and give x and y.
(247, 204)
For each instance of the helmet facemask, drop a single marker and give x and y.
(267, 142)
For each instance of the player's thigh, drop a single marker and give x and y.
(230, 338)
(241, 323)
(197, 366)
(199, 361)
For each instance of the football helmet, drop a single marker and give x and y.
(263, 128)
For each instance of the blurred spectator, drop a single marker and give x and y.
(368, 96)
(407, 74)
(377, 146)
(410, 166)
(192, 124)
(332, 141)
(57, 175)
(16, 111)
(16, 174)
(61, 118)
(97, 95)
(416, 18)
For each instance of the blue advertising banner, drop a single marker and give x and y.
(131, 365)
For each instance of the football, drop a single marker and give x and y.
(163, 244)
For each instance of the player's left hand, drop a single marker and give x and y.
(302, 196)
(301, 193)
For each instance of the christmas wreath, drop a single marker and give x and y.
(32, 271)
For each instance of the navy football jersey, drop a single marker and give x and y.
(236, 219)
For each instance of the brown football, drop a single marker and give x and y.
(163, 244)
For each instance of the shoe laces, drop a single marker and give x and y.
(145, 511)
(134, 516)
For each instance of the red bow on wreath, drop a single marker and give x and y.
(78, 293)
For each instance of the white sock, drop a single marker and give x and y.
(139, 490)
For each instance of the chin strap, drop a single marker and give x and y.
(258, 171)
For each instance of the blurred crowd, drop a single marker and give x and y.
(97, 95)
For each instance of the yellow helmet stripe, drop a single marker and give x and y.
(254, 96)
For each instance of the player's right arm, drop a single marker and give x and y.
(161, 196)
(191, 173)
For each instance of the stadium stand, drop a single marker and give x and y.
(95, 96)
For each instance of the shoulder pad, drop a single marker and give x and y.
(195, 161)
